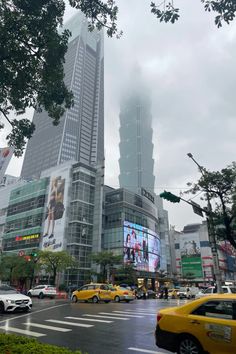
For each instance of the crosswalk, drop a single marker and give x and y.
(66, 324)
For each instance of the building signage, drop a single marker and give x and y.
(5, 157)
(190, 253)
(147, 195)
(27, 237)
(55, 219)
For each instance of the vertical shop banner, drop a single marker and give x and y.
(141, 247)
(190, 253)
(229, 254)
(5, 157)
(55, 218)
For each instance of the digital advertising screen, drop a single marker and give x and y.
(190, 252)
(141, 247)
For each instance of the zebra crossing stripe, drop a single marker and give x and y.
(87, 319)
(135, 312)
(145, 351)
(113, 318)
(39, 325)
(22, 331)
(71, 323)
(120, 314)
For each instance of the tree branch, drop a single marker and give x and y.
(4, 114)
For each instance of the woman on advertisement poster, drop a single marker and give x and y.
(51, 208)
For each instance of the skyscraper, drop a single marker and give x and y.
(136, 147)
(80, 134)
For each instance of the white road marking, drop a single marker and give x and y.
(145, 351)
(113, 318)
(71, 323)
(39, 325)
(22, 331)
(32, 313)
(119, 314)
(87, 319)
(138, 313)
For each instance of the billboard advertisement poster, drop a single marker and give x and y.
(5, 157)
(54, 225)
(190, 253)
(141, 247)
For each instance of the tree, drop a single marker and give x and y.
(225, 10)
(105, 260)
(55, 262)
(221, 188)
(14, 268)
(126, 274)
(31, 64)
(161, 275)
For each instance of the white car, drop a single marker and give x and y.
(184, 294)
(212, 290)
(11, 300)
(43, 291)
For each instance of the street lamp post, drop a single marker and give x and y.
(211, 232)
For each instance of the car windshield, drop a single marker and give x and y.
(233, 290)
(5, 289)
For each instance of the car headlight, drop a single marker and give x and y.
(10, 301)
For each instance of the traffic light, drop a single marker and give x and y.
(171, 197)
(34, 254)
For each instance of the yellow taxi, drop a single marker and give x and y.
(206, 325)
(121, 294)
(92, 292)
(173, 293)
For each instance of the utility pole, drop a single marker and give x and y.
(211, 232)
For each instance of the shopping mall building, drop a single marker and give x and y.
(88, 218)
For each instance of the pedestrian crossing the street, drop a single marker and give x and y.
(86, 321)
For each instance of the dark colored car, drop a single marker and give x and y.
(149, 294)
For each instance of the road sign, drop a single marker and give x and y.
(196, 208)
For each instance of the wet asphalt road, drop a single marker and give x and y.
(94, 328)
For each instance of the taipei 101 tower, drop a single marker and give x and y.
(136, 147)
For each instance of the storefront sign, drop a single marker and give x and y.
(27, 237)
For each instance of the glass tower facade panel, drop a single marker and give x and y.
(80, 134)
(136, 147)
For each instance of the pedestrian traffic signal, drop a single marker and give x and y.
(34, 254)
(169, 196)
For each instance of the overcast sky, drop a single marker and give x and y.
(190, 70)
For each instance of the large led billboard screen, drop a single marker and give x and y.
(141, 247)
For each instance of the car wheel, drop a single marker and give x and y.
(95, 299)
(41, 296)
(117, 298)
(27, 309)
(2, 308)
(29, 294)
(189, 345)
(74, 299)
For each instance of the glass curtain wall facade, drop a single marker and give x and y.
(136, 147)
(80, 134)
(25, 217)
(121, 206)
(81, 223)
